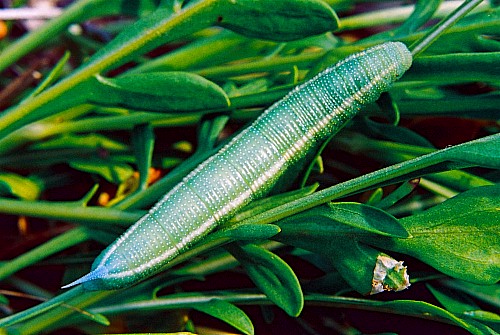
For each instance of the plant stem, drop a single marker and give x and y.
(391, 16)
(422, 44)
(68, 211)
(58, 243)
(385, 176)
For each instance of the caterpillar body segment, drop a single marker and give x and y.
(248, 166)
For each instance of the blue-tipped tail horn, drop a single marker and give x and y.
(97, 273)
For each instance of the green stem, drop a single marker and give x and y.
(58, 243)
(438, 29)
(273, 64)
(391, 16)
(68, 212)
(377, 178)
(54, 309)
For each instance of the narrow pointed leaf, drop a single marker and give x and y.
(246, 232)
(19, 186)
(96, 141)
(367, 218)
(489, 294)
(420, 309)
(143, 141)
(96, 317)
(209, 131)
(483, 152)
(272, 276)
(114, 172)
(396, 195)
(345, 219)
(460, 304)
(228, 313)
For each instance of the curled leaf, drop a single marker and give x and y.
(389, 275)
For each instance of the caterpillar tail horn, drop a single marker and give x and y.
(98, 273)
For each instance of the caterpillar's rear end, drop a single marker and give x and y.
(247, 167)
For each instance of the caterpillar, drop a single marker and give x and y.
(248, 166)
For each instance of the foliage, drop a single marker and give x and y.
(186, 73)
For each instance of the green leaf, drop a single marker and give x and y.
(459, 180)
(375, 197)
(458, 303)
(261, 205)
(21, 187)
(58, 243)
(157, 91)
(355, 261)
(344, 219)
(451, 300)
(278, 20)
(408, 308)
(143, 142)
(395, 133)
(459, 67)
(271, 275)
(112, 171)
(246, 232)
(80, 141)
(53, 75)
(367, 218)
(209, 131)
(96, 317)
(396, 195)
(228, 313)
(483, 152)
(424, 9)
(358, 265)
(459, 237)
(489, 294)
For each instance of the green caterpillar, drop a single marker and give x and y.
(248, 166)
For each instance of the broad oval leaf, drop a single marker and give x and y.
(158, 92)
(283, 20)
(459, 237)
